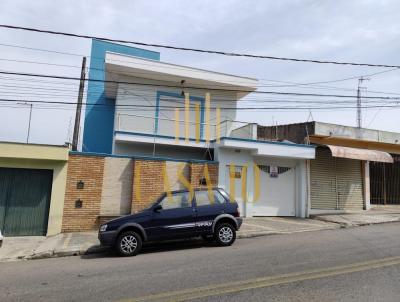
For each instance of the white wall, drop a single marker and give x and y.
(128, 94)
(227, 156)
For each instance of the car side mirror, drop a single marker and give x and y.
(157, 208)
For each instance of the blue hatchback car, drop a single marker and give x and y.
(180, 214)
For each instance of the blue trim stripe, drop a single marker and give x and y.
(267, 142)
(157, 135)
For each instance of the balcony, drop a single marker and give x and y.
(167, 130)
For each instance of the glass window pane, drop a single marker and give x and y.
(218, 197)
(177, 200)
(203, 198)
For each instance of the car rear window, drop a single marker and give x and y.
(204, 198)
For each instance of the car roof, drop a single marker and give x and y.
(197, 189)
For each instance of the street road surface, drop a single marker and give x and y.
(359, 264)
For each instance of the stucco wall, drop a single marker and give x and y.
(117, 186)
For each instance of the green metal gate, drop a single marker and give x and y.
(24, 201)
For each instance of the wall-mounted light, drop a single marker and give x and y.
(80, 185)
(78, 204)
(203, 181)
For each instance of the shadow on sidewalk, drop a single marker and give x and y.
(155, 247)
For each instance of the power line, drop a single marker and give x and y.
(112, 106)
(290, 84)
(231, 54)
(191, 87)
(44, 92)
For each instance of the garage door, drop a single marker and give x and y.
(277, 192)
(24, 201)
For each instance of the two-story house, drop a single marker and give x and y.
(140, 106)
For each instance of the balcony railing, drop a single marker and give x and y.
(171, 127)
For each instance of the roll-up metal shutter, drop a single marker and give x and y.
(336, 183)
(350, 184)
(24, 201)
(323, 181)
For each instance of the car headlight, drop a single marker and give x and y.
(103, 228)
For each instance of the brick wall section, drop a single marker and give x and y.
(197, 173)
(296, 133)
(90, 170)
(150, 182)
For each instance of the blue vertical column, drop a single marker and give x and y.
(100, 110)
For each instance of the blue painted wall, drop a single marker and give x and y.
(99, 120)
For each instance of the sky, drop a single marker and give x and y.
(356, 31)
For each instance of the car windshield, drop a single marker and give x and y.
(157, 200)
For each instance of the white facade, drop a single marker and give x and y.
(147, 94)
(284, 193)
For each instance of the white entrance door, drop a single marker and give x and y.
(277, 192)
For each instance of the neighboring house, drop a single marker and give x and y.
(32, 188)
(134, 114)
(349, 169)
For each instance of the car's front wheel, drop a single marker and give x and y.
(225, 234)
(129, 243)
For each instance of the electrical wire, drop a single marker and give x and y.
(231, 54)
(191, 87)
(112, 106)
(311, 85)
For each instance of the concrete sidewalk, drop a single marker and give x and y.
(69, 244)
(377, 214)
(35, 247)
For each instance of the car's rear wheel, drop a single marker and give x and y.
(129, 243)
(225, 234)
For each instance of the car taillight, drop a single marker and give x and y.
(237, 213)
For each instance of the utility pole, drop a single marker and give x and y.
(30, 118)
(359, 118)
(79, 107)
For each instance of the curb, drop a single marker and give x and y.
(66, 253)
(356, 224)
(100, 249)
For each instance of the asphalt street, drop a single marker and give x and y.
(357, 264)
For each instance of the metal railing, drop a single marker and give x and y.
(178, 128)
